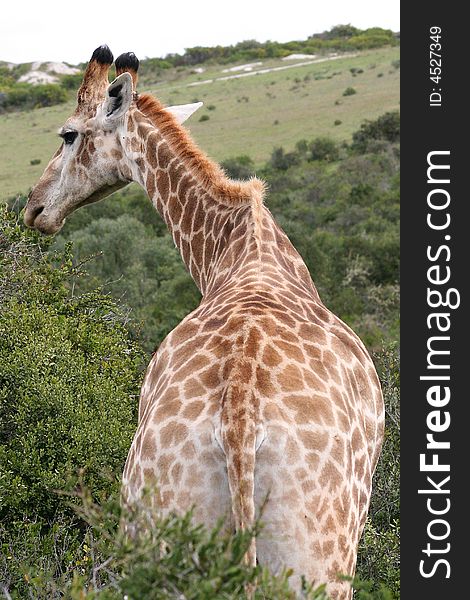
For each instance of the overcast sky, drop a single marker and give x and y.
(58, 30)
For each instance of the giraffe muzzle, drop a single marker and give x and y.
(36, 218)
(31, 214)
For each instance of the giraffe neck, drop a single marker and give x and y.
(208, 222)
(223, 232)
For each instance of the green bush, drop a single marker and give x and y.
(302, 148)
(323, 148)
(341, 31)
(155, 65)
(281, 160)
(349, 91)
(24, 96)
(71, 82)
(48, 95)
(169, 559)
(386, 127)
(69, 382)
(239, 167)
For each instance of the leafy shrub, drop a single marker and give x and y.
(349, 91)
(374, 37)
(171, 559)
(341, 31)
(69, 381)
(282, 160)
(323, 148)
(24, 96)
(204, 118)
(156, 65)
(6, 77)
(71, 82)
(386, 127)
(48, 95)
(239, 167)
(35, 161)
(301, 147)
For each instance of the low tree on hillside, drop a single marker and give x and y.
(386, 128)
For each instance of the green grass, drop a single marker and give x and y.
(279, 112)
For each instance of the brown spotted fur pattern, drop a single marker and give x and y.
(259, 397)
(261, 391)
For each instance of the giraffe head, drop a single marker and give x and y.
(92, 161)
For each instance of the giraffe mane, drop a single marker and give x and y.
(211, 175)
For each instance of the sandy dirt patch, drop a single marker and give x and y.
(298, 56)
(247, 67)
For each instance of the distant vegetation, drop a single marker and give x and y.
(349, 91)
(342, 38)
(384, 129)
(25, 96)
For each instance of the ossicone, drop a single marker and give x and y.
(103, 55)
(128, 63)
(95, 79)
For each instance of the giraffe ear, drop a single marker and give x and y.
(119, 96)
(183, 111)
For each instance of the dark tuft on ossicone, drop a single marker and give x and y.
(103, 55)
(128, 60)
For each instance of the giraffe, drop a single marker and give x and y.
(259, 397)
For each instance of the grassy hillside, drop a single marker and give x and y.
(252, 114)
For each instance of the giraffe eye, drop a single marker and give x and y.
(69, 137)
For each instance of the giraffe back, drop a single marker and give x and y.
(263, 398)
